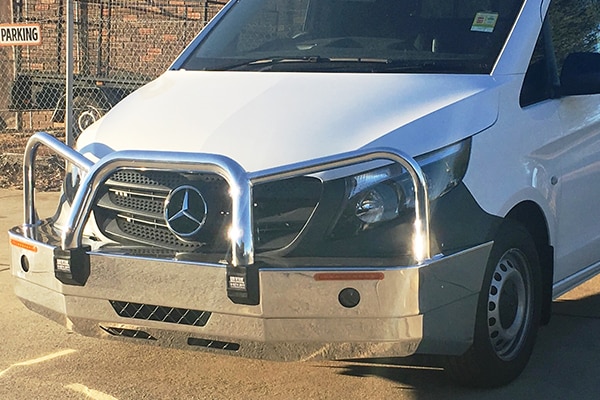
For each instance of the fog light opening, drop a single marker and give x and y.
(24, 263)
(349, 297)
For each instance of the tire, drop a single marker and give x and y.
(508, 313)
(86, 111)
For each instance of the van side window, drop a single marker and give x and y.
(537, 85)
(575, 26)
(568, 47)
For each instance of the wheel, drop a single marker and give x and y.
(508, 313)
(86, 111)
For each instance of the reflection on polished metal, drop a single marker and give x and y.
(438, 298)
(58, 147)
(185, 211)
(240, 183)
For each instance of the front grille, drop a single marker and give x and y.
(130, 211)
(147, 312)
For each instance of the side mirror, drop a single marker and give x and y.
(580, 74)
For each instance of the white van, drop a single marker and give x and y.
(336, 179)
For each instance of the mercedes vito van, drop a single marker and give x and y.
(336, 179)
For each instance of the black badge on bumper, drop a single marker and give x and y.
(72, 267)
(242, 284)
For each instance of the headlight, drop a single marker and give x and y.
(375, 196)
(386, 193)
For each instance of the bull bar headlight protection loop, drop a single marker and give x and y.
(386, 193)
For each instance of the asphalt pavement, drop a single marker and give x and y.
(42, 360)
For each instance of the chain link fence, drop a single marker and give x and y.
(118, 46)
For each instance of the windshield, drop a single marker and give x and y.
(424, 36)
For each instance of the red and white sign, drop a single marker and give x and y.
(20, 35)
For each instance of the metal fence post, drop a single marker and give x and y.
(17, 10)
(69, 75)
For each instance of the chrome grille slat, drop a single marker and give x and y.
(140, 251)
(135, 186)
(162, 179)
(135, 193)
(153, 222)
(149, 235)
(149, 205)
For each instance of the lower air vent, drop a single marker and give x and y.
(213, 344)
(181, 316)
(129, 333)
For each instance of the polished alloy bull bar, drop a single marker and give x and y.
(240, 183)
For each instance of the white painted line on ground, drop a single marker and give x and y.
(91, 393)
(38, 360)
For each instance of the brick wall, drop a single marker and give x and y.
(117, 40)
(125, 35)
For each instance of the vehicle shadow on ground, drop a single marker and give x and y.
(564, 365)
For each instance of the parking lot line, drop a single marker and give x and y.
(91, 393)
(38, 360)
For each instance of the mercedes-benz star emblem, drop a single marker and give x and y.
(185, 211)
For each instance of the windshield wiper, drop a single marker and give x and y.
(263, 64)
(435, 66)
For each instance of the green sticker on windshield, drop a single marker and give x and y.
(484, 22)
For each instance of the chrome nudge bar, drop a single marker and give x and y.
(29, 168)
(240, 184)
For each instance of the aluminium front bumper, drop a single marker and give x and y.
(296, 313)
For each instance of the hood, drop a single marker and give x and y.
(265, 120)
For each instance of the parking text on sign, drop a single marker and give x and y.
(20, 35)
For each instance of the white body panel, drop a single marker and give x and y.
(578, 157)
(268, 120)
